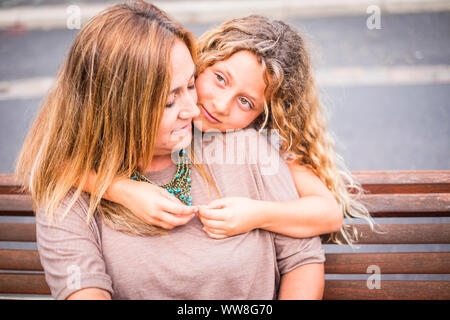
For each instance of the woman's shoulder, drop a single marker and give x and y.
(73, 206)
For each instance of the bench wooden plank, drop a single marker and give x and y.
(422, 233)
(395, 181)
(392, 203)
(389, 262)
(23, 283)
(393, 177)
(390, 290)
(16, 202)
(334, 289)
(20, 260)
(341, 263)
(11, 231)
(412, 204)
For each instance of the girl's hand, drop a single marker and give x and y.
(152, 204)
(228, 217)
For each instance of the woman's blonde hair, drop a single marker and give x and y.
(103, 112)
(292, 104)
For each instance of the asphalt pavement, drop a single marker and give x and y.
(386, 90)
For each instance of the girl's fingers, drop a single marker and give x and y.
(214, 224)
(217, 204)
(214, 236)
(210, 214)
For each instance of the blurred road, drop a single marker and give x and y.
(387, 90)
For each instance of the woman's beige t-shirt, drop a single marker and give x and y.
(185, 263)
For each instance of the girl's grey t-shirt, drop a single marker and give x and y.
(185, 263)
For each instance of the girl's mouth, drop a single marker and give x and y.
(209, 116)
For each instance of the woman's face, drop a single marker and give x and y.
(175, 132)
(230, 93)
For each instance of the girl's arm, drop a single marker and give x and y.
(150, 203)
(316, 212)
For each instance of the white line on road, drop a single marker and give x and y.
(57, 16)
(381, 76)
(331, 77)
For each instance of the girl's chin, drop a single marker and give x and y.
(204, 125)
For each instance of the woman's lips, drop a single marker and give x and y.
(209, 116)
(183, 129)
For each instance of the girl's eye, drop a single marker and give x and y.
(245, 102)
(192, 87)
(220, 78)
(168, 105)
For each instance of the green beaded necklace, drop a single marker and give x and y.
(180, 186)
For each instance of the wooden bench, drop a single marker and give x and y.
(413, 198)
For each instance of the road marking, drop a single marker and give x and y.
(332, 77)
(25, 88)
(55, 16)
(380, 76)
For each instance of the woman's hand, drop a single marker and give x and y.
(228, 217)
(152, 204)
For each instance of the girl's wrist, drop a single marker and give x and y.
(118, 191)
(263, 212)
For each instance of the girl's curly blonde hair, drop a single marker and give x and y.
(292, 104)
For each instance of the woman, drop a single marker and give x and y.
(123, 102)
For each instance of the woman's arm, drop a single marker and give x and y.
(316, 212)
(148, 202)
(306, 282)
(90, 294)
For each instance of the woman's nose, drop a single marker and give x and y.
(190, 109)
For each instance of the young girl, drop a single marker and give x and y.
(257, 72)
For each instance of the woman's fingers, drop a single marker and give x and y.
(176, 207)
(175, 220)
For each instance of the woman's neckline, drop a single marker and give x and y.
(161, 176)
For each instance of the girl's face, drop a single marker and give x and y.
(230, 93)
(175, 132)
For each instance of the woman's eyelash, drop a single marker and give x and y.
(219, 77)
(244, 100)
